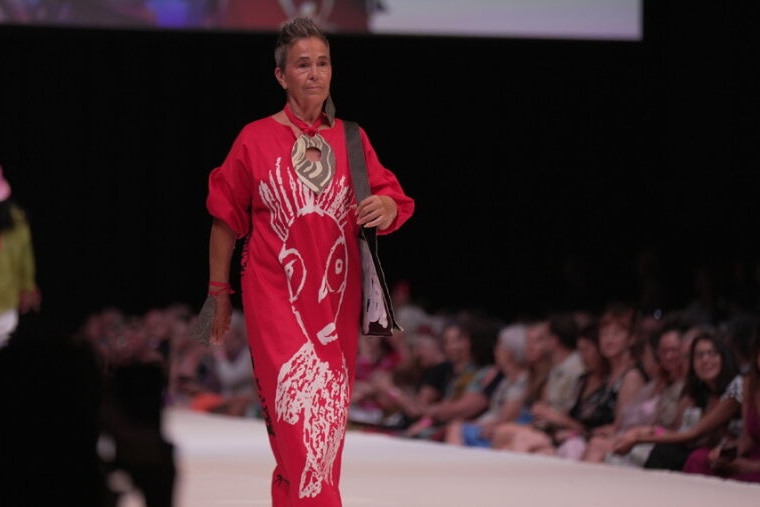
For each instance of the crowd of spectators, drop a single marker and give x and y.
(621, 385)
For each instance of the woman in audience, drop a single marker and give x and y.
(711, 369)
(416, 383)
(626, 378)
(657, 402)
(468, 344)
(736, 460)
(229, 386)
(508, 398)
(555, 426)
(375, 364)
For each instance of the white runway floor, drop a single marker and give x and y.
(226, 462)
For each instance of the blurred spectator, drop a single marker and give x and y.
(468, 344)
(508, 399)
(657, 403)
(51, 387)
(558, 334)
(590, 410)
(228, 386)
(18, 287)
(744, 463)
(712, 369)
(617, 342)
(377, 360)
(418, 384)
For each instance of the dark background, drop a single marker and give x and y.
(524, 156)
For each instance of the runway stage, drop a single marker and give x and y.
(225, 461)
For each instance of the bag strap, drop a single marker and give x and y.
(356, 161)
(360, 181)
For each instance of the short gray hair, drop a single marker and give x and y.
(513, 338)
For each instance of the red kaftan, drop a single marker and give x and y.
(301, 292)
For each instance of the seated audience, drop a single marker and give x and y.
(228, 386)
(553, 425)
(711, 370)
(508, 398)
(657, 402)
(415, 384)
(738, 460)
(560, 334)
(626, 377)
(376, 362)
(468, 343)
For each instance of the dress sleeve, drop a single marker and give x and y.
(384, 182)
(229, 188)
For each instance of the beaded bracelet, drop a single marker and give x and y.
(223, 288)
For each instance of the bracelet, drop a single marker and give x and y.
(222, 288)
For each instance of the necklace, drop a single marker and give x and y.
(312, 157)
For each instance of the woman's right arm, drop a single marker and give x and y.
(221, 247)
(723, 411)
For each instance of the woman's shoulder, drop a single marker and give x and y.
(636, 373)
(735, 389)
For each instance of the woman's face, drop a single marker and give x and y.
(308, 72)
(426, 350)
(614, 339)
(706, 360)
(535, 344)
(456, 345)
(669, 352)
(589, 352)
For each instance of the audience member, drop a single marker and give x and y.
(468, 343)
(711, 369)
(51, 387)
(508, 399)
(18, 287)
(657, 403)
(559, 334)
(227, 385)
(418, 384)
(554, 426)
(738, 460)
(626, 377)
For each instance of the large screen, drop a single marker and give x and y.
(543, 19)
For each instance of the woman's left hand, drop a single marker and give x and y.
(376, 211)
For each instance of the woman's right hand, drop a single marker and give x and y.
(625, 442)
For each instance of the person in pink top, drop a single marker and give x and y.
(285, 191)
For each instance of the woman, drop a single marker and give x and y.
(589, 411)
(657, 403)
(704, 411)
(627, 376)
(508, 399)
(285, 187)
(744, 464)
(18, 289)
(471, 379)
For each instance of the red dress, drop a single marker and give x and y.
(301, 293)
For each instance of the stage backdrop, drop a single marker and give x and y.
(554, 19)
